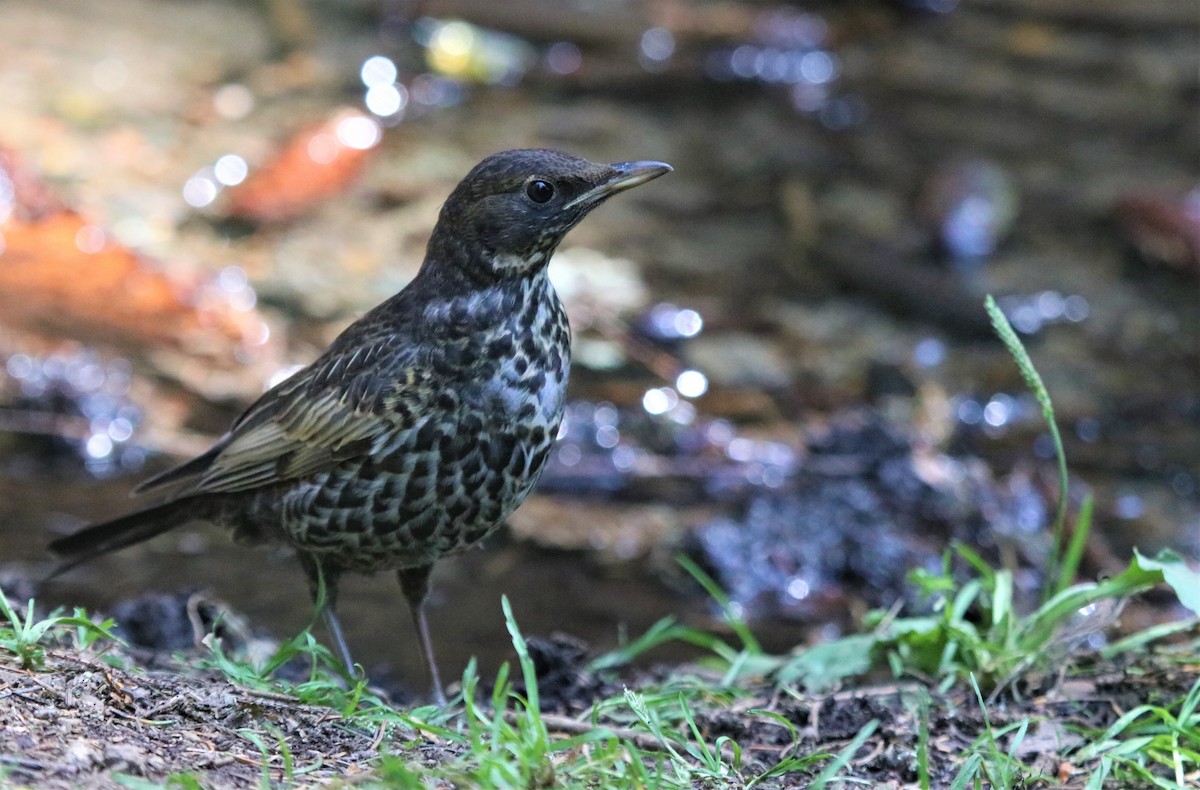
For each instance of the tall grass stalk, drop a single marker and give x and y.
(1058, 575)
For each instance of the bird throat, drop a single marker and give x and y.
(507, 265)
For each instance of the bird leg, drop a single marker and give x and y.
(323, 586)
(335, 628)
(414, 582)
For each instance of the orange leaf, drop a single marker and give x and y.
(315, 165)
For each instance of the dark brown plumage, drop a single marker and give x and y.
(427, 421)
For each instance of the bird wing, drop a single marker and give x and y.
(337, 408)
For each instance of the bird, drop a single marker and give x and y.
(425, 423)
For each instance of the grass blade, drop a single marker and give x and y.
(1074, 554)
(1034, 381)
(734, 620)
(844, 757)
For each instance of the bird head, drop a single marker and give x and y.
(507, 215)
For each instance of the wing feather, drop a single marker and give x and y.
(337, 408)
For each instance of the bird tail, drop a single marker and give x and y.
(109, 536)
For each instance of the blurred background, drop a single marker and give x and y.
(783, 367)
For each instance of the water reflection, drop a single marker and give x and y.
(71, 404)
(1029, 314)
(792, 48)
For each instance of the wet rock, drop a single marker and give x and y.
(888, 380)
(971, 205)
(1163, 229)
(857, 208)
(173, 621)
(565, 684)
(19, 589)
(907, 285)
(740, 359)
(659, 452)
(617, 532)
(863, 508)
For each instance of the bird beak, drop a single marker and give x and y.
(622, 176)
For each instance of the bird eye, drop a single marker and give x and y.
(539, 191)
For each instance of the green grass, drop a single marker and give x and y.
(1150, 737)
(327, 683)
(1058, 573)
(975, 631)
(26, 638)
(988, 762)
(652, 739)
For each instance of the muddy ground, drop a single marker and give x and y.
(79, 721)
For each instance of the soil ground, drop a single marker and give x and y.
(80, 722)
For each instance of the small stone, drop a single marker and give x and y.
(80, 755)
(739, 359)
(125, 757)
